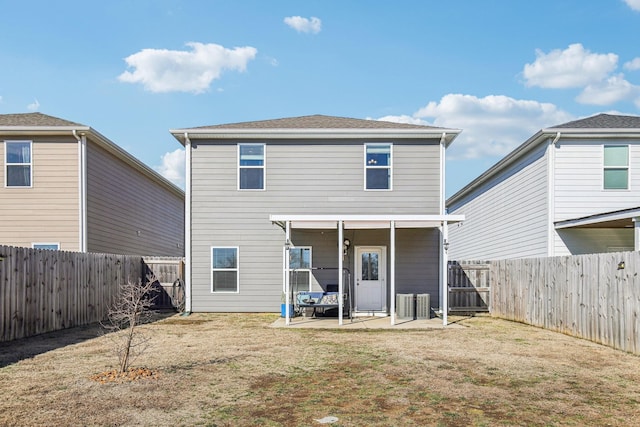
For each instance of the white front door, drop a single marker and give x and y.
(371, 272)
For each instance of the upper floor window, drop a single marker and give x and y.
(17, 163)
(616, 167)
(251, 166)
(377, 166)
(224, 269)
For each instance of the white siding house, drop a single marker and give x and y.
(569, 189)
(313, 203)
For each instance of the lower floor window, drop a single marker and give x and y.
(224, 269)
(48, 246)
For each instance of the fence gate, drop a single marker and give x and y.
(469, 286)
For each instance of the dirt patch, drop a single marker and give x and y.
(234, 370)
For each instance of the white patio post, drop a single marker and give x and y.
(340, 272)
(392, 255)
(287, 284)
(444, 272)
(636, 234)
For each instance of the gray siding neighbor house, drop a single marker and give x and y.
(314, 203)
(570, 189)
(67, 187)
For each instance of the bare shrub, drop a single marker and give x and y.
(131, 309)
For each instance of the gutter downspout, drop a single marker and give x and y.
(187, 226)
(551, 201)
(82, 190)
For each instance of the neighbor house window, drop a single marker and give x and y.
(616, 167)
(251, 166)
(224, 269)
(47, 246)
(17, 163)
(300, 269)
(377, 166)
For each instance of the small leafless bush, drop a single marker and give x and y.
(131, 309)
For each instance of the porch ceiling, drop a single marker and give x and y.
(365, 221)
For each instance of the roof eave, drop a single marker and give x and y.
(297, 134)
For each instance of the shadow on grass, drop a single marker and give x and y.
(25, 348)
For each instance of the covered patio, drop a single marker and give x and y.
(391, 222)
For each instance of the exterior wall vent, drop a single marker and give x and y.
(423, 306)
(405, 308)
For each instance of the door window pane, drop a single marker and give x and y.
(369, 266)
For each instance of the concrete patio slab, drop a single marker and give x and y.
(366, 323)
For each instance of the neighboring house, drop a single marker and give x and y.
(329, 194)
(67, 187)
(569, 189)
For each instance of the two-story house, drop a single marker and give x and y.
(67, 187)
(570, 189)
(314, 203)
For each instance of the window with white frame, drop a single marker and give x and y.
(616, 167)
(300, 268)
(377, 166)
(224, 269)
(18, 166)
(251, 166)
(47, 246)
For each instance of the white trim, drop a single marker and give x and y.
(57, 244)
(236, 269)
(392, 271)
(263, 167)
(636, 233)
(187, 224)
(388, 167)
(373, 217)
(443, 205)
(30, 164)
(551, 194)
(597, 218)
(82, 191)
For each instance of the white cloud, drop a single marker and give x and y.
(304, 25)
(633, 4)
(492, 126)
(34, 106)
(162, 70)
(572, 67)
(609, 91)
(633, 64)
(172, 167)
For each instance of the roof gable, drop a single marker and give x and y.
(317, 121)
(34, 119)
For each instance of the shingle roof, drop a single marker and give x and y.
(34, 119)
(317, 122)
(604, 121)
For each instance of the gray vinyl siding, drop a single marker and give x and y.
(579, 192)
(128, 212)
(324, 177)
(48, 211)
(507, 217)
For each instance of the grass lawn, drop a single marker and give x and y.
(232, 369)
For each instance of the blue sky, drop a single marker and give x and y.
(500, 70)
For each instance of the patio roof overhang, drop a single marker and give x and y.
(350, 221)
(615, 219)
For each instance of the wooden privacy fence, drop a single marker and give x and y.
(596, 297)
(44, 291)
(469, 286)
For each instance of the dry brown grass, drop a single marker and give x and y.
(230, 370)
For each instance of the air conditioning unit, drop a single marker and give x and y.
(405, 308)
(423, 306)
